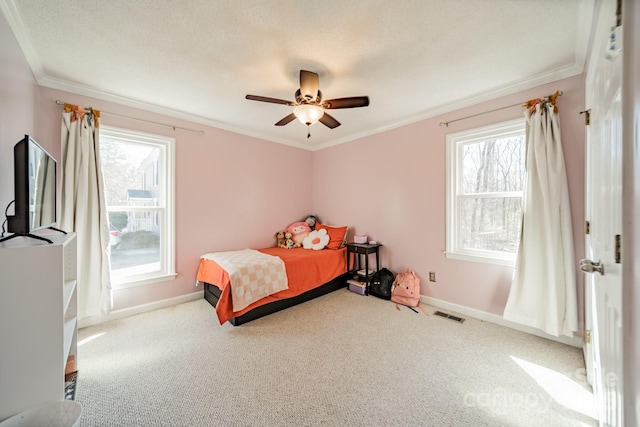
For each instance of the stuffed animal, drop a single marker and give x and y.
(284, 240)
(299, 231)
(288, 243)
(312, 220)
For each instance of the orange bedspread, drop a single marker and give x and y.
(306, 269)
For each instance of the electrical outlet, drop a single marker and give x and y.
(432, 276)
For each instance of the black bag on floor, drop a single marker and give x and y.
(380, 284)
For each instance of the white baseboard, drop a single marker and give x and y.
(126, 312)
(498, 320)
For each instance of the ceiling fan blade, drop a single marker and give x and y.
(267, 99)
(351, 102)
(329, 121)
(286, 120)
(309, 84)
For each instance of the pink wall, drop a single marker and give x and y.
(392, 186)
(232, 191)
(18, 97)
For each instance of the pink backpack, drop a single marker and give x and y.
(406, 289)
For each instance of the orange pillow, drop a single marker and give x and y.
(336, 235)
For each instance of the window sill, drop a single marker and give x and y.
(132, 283)
(482, 259)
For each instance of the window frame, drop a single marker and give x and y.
(166, 145)
(454, 142)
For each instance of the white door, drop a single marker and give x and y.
(604, 215)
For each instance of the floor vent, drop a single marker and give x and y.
(449, 316)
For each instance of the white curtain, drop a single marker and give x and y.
(543, 291)
(84, 208)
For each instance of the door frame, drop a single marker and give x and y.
(631, 211)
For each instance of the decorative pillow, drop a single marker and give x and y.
(337, 235)
(299, 231)
(316, 240)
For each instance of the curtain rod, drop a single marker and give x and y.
(446, 124)
(142, 120)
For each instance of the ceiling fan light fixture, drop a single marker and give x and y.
(308, 114)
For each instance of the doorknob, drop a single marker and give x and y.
(589, 266)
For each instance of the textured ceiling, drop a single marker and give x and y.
(197, 59)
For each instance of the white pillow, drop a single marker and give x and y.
(316, 240)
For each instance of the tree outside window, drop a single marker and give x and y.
(485, 182)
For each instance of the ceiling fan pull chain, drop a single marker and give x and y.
(308, 132)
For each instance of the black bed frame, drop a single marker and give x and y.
(212, 294)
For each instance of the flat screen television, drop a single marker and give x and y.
(34, 189)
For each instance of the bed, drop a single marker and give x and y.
(310, 274)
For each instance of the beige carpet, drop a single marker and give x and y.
(340, 360)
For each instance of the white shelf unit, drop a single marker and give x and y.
(38, 319)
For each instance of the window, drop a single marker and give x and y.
(138, 181)
(485, 181)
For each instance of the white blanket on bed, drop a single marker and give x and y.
(253, 275)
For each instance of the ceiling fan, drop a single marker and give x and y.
(309, 106)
